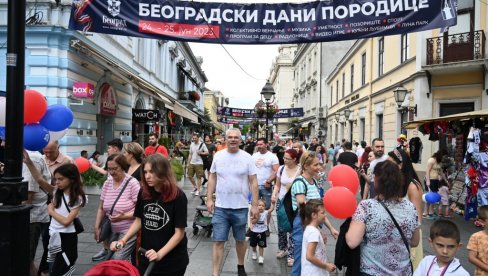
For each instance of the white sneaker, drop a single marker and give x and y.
(261, 260)
(254, 256)
(194, 190)
(197, 193)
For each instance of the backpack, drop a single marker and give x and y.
(285, 213)
(204, 157)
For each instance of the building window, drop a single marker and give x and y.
(331, 94)
(363, 69)
(379, 126)
(337, 91)
(343, 84)
(381, 53)
(352, 78)
(405, 48)
(362, 128)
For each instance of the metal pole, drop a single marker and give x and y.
(267, 115)
(14, 217)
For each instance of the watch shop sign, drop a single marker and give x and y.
(144, 115)
(108, 100)
(83, 90)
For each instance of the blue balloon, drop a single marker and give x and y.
(36, 137)
(58, 117)
(2, 133)
(432, 197)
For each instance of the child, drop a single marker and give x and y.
(67, 202)
(314, 254)
(478, 243)
(258, 230)
(445, 241)
(321, 179)
(444, 193)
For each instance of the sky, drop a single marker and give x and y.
(224, 74)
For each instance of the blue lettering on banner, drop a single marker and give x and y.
(251, 113)
(231, 23)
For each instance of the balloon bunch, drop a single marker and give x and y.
(42, 123)
(340, 199)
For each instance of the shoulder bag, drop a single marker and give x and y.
(399, 230)
(77, 222)
(106, 226)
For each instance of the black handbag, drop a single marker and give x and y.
(77, 222)
(106, 225)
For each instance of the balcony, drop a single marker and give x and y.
(455, 48)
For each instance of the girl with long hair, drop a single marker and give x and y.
(65, 207)
(160, 214)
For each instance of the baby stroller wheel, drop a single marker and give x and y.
(195, 230)
(209, 233)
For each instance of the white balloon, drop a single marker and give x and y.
(3, 110)
(56, 135)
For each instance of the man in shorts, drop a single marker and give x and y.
(232, 176)
(195, 164)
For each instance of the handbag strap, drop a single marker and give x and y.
(66, 204)
(117, 199)
(399, 230)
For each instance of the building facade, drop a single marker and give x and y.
(139, 85)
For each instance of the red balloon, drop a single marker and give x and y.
(35, 106)
(83, 164)
(344, 176)
(340, 202)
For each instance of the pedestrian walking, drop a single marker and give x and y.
(259, 226)
(195, 164)
(155, 147)
(267, 165)
(379, 156)
(232, 176)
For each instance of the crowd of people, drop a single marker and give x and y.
(246, 181)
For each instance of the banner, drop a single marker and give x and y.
(231, 23)
(251, 113)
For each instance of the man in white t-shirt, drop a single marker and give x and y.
(267, 165)
(380, 156)
(195, 165)
(232, 176)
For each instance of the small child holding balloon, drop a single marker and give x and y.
(444, 193)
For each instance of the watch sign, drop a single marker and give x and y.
(144, 115)
(83, 90)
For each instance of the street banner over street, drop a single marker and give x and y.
(231, 23)
(251, 113)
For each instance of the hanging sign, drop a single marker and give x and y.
(108, 100)
(145, 115)
(83, 90)
(231, 23)
(251, 113)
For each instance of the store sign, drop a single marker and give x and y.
(83, 90)
(261, 23)
(251, 113)
(145, 115)
(108, 100)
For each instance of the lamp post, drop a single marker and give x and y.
(267, 93)
(400, 93)
(347, 112)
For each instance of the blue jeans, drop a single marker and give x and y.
(223, 219)
(297, 236)
(265, 194)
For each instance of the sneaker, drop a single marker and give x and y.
(241, 271)
(289, 262)
(254, 256)
(100, 255)
(197, 193)
(431, 217)
(261, 260)
(194, 190)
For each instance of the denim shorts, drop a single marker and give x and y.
(224, 218)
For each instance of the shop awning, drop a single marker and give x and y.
(185, 112)
(453, 117)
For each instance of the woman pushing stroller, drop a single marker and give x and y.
(160, 214)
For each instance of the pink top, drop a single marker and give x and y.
(125, 204)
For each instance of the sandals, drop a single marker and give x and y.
(290, 262)
(280, 254)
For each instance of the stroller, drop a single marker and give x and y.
(202, 219)
(118, 268)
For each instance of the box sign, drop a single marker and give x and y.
(83, 90)
(108, 100)
(144, 115)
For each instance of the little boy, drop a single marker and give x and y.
(445, 240)
(258, 230)
(478, 243)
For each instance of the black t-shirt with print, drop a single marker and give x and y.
(158, 223)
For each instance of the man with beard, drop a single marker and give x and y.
(154, 147)
(279, 150)
(195, 163)
(313, 144)
(380, 156)
(267, 165)
(249, 146)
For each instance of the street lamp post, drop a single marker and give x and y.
(267, 93)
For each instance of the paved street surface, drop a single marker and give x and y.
(200, 246)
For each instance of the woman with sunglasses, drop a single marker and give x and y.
(303, 189)
(284, 177)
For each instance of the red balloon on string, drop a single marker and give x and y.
(344, 176)
(35, 106)
(83, 164)
(340, 202)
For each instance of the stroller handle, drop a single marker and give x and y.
(151, 264)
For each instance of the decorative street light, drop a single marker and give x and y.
(267, 93)
(337, 116)
(347, 112)
(400, 93)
